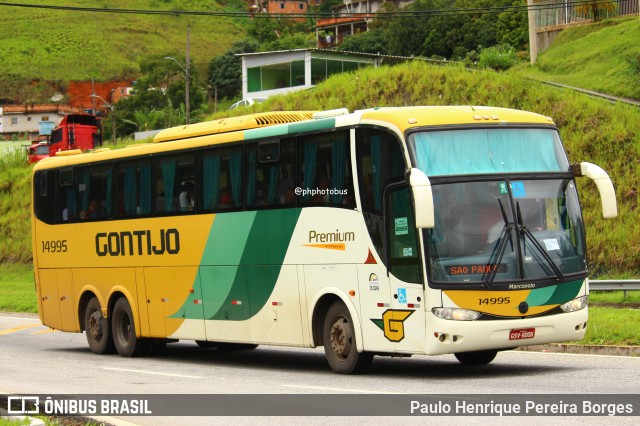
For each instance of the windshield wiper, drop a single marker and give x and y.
(500, 248)
(522, 228)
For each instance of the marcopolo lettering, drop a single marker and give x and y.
(138, 243)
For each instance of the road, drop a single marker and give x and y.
(37, 360)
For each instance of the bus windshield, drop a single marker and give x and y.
(506, 230)
(495, 220)
(488, 150)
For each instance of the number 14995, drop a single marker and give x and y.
(54, 246)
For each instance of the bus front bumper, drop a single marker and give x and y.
(451, 336)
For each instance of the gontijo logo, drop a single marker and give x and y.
(141, 242)
(392, 323)
(330, 240)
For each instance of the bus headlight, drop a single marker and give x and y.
(455, 314)
(575, 304)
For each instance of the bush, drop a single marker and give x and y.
(499, 57)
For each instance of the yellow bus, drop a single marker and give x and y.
(387, 231)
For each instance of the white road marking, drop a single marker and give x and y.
(338, 389)
(129, 370)
(574, 354)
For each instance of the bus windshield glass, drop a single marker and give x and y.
(506, 230)
(506, 210)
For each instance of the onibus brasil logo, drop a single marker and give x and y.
(392, 323)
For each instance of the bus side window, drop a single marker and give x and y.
(95, 193)
(221, 179)
(403, 250)
(326, 170)
(379, 162)
(175, 183)
(66, 210)
(269, 169)
(45, 196)
(133, 188)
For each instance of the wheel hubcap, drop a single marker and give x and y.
(340, 339)
(94, 326)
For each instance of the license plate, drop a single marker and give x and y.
(522, 333)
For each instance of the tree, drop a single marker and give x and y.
(225, 70)
(372, 41)
(595, 7)
(473, 23)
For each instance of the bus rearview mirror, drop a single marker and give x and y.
(605, 187)
(423, 198)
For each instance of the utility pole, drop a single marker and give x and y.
(187, 109)
(186, 76)
(112, 107)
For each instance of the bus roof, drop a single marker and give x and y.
(282, 123)
(232, 124)
(409, 117)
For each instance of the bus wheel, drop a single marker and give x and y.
(340, 342)
(97, 329)
(476, 357)
(124, 331)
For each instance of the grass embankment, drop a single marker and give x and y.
(604, 56)
(57, 46)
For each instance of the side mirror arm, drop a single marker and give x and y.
(604, 184)
(422, 198)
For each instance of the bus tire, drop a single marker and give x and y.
(340, 342)
(97, 329)
(124, 331)
(476, 357)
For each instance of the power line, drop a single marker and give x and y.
(320, 15)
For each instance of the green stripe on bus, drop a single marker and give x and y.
(554, 295)
(265, 132)
(312, 126)
(241, 263)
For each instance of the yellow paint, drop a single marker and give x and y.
(19, 328)
(48, 330)
(505, 305)
(63, 278)
(332, 246)
(394, 324)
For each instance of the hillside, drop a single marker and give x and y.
(604, 57)
(56, 46)
(593, 130)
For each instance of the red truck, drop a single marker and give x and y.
(75, 131)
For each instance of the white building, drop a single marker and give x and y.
(29, 121)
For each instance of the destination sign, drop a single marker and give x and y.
(476, 269)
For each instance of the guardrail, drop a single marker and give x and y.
(614, 285)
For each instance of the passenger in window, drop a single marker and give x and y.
(322, 195)
(94, 211)
(260, 198)
(186, 196)
(289, 197)
(225, 199)
(347, 191)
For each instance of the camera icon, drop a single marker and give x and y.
(28, 405)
